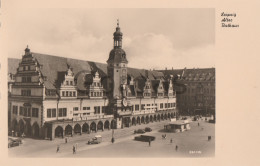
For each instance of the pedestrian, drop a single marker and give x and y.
(58, 148)
(13, 133)
(198, 124)
(149, 142)
(23, 135)
(66, 140)
(171, 140)
(74, 149)
(113, 140)
(176, 148)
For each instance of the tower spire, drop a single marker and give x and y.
(118, 36)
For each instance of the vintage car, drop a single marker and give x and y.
(96, 140)
(147, 129)
(145, 138)
(139, 131)
(13, 142)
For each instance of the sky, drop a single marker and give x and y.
(152, 38)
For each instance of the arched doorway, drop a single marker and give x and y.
(113, 124)
(59, 131)
(106, 124)
(142, 119)
(158, 117)
(174, 114)
(77, 129)
(28, 129)
(162, 117)
(138, 120)
(165, 116)
(15, 126)
(154, 118)
(133, 121)
(68, 130)
(147, 119)
(93, 127)
(171, 115)
(35, 130)
(21, 127)
(85, 128)
(100, 125)
(151, 118)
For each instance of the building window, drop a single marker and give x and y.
(165, 105)
(26, 92)
(67, 93)
(21, 111)
(53, 112)
(142, 106)
(103, 109)
(35, 112)
(75, 108)
(67, 82)
(62, 112)
(15, 110)
(97, 110)
(63, 93)
(74, 94)
(25, 111)
(161, 105)
(26, 79)
(48, 113)
(86, 108)
(70, 93)
(137, 107)
(71, 83)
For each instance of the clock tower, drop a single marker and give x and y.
(117, 68)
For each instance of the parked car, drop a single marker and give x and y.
(12, 143)
(96, 140)
(147, 129)
(145, 138)
(17, 139)
(139, 131)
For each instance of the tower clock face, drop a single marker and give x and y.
(124, 102)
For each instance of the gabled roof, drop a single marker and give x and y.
(54, 69)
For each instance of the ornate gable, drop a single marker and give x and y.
(68, 88)
(160, 89)
(96, 89)
(147, 89)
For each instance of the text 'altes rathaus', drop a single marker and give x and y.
(54, 96)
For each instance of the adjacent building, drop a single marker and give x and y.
(52, 96)
(195, 90)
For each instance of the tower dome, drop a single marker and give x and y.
(117, 54)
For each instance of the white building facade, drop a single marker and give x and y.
(56, 97)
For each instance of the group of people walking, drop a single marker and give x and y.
(74, 147)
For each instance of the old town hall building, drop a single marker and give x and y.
(52, 96)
